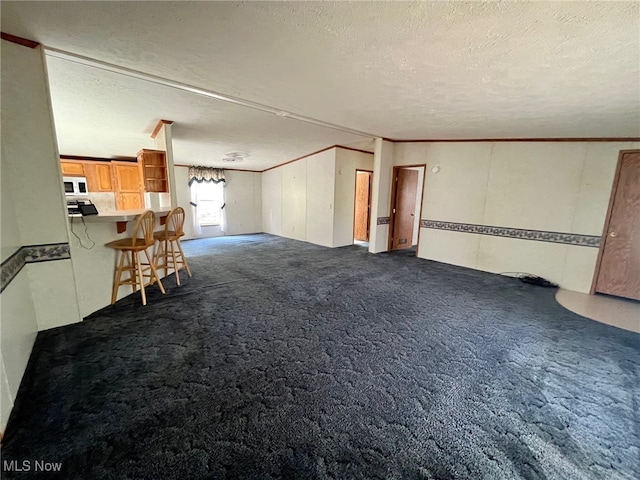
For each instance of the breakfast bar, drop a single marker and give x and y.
(94, 263)
(121, 217)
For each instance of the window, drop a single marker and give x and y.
(210, 201)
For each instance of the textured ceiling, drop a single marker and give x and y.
(395, 69)
(100, 113)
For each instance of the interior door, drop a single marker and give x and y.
(619, 272)
(405, 206)
(128, 181)
(363, 206)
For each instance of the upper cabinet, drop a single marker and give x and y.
(128, 180)
(72, 169)
(99, 176)
(154, 170)
(128, 185)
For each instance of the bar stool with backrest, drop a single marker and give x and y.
(169, 255)
(131, 248)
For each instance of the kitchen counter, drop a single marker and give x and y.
(93, 262)
(121, 217)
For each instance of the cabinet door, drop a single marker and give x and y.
(129, 201)
(103, 177)
(73, 169)
(128, 186)
(98, 176)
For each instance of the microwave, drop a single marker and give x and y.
(74, 186)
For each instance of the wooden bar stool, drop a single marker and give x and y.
(130, 249)
(169, 254)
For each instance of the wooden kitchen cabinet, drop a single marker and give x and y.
(99, 176)
(127, 178)
(154, 170)
(72, 169)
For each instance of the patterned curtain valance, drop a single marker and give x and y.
(205, 174)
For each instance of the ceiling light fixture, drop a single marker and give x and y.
(235, 156)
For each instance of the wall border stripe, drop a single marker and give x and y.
(518, 233)
(12, 266)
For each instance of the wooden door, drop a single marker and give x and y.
(405, 207)
(619, 272)
(128, 180)
(363, 206)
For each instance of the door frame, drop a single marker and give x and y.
(394, 195)
(607, 220)
(355, 186)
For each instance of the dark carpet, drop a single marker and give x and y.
(282, 359)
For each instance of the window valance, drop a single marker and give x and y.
(205, 174)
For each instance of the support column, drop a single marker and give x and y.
(381, 196)
(164, 141)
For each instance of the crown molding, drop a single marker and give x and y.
(25, 42)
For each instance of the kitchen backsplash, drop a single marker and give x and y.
(104, 201)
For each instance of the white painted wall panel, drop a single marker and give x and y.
(449, 247)
(534, 185)
(554, 186)
(19, 329)
(458, 191)
(294, 200)
(413, 153)
(241, 191)
(6, 400)
(30, 153)
(9, 230)
(579, 267)
(33, 211)
(183, 197)
(257, 202)
(364, 161)
(347, 161)
(501, 255)
(320, 180)
(315, 194)
(272, 201)
(51, 281)
(381, 194)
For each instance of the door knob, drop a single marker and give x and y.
(613, 234)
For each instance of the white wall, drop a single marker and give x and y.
(272, 201)
(243, 198)
(551, 186)
(294, 200)
(312, 199)
(347, 161)
(383, 161)
(321, 174)
(42, 295)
